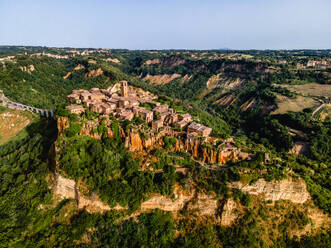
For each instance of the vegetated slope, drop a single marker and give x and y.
(47, 85)
(12, 122)
(33, 217)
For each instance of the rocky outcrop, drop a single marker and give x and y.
(161, 79)
(200, 203)
(65, 188)
(166, 61)
(79, 67)
(152, 61)
(89, 129)
(62, 124)
(229, 212)
(194, 146)
(144, 141)
(292, 189)
(94, 73)
(203, 204)
(136, 142)
(133, 142)
(114, 60)
(27, 69)
(211, 154)
(300, 147)
(186, 78)
(166, 203)
(227, 100)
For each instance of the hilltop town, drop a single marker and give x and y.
(128, 105)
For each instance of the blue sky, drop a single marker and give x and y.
(164, 24)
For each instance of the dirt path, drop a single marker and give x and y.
(316, 110)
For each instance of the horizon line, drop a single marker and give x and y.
(173, 49)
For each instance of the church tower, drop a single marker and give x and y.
(124, 88)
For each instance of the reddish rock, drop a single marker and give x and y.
(62, 124)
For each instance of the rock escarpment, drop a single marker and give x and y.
(62, 124)
(193, 201)
(161, 79)
(223, 211)
(292, 189)
(202, 204)
(94, 73)
(66, 188)
(229, 214)
(143, 141)
(166, 61)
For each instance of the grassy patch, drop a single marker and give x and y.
(286, 104)
(13, 123)
(311, 89)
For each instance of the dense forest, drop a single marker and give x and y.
(31, 217)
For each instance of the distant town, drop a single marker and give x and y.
(127, 105)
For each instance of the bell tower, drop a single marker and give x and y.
(124, 88)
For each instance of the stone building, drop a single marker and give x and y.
(124, 114)
(85, 96)
(161, 109)
(199, 129)
(157, 124)
(97, 96)
(146, 115)
(107, 108)
(123, 102)
(181, 124)
(185, 117)
(74, 98)
(124, 88)
(164, 115)
(75, 109)
(172, 118)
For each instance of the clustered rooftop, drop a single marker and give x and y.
(126, 107)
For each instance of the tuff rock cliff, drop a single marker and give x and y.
(292, 189)
(143, 144)
(224, 211)
(200, 203)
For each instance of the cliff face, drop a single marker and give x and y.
(65, 188)
(87, 129)
(195, 202)
(292, 189)
(224, 211)
(62, 124)
(166, 61)
(142, 144)
(161, 79)
(229, 215)
(202, 204)
(94, 73)
(194, 146)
